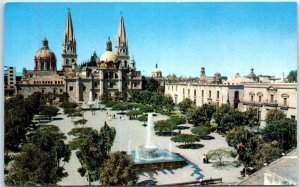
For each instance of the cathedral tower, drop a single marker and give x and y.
(69, 55)
(122, 43)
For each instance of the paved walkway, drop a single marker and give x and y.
(135, 132)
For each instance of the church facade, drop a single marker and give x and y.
(113, 74)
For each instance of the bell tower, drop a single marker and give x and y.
(69, 55)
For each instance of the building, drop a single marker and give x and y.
(156, 73)
(10, 88)
(239, 92)
(113, 74)
(282, 171)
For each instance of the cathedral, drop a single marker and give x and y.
(112, 75)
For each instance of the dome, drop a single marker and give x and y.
(156, 70)
(44, 52)
(108, 56)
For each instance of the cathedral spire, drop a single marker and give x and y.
(69, 55)
(122, 43)
(121, 36)
(69, 33)
(108, 45)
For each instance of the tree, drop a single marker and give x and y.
(245, 142)
(168, 104)
(200, 131)
(33, 167)
(49, 111)
(50, 140)
(157, 101)
(231, 119)
(185, 104)
(274, 115)
(121, 106)
(185, 138)
(220, 154)
(201, 115)
(284, 131)
(108, 135)
(93, 151)
(35, 101)
(251, 116)
(145, 97)
(118, 170)
(80, 122)
(266, 153)
(151, 85)
(80, 134)
(17, 120)
(164, 126)
(292, 76)
(220, 113)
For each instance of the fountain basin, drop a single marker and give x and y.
(161, 159)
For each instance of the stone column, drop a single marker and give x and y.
(77, 89)
(120, 81)
(101, 86)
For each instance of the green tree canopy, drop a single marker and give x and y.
(292, 76)
(185, 138)
(80, 122)
(151, 85)
(33, 167)
(122, 106)
(274, 115)
(200, 131)
(201, 115)
(245, 143)
(49, 111)
(157, 101)
(284, 131)
(231, 119)
(168, 104)
(51, 140)
(185, 104)
(266, 153)
(220, 154)
(118, 170)
(17, 120)
(94, 150)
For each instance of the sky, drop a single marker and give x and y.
(180, 37)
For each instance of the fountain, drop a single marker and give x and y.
(91, 104)
(129, 148)
(151, 156)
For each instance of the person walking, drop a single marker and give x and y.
(204, 158)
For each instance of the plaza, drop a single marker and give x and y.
(134, 131)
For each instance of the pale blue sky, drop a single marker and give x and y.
(180, 37)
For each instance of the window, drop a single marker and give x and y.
(259, 99)
(293, 117)
(272, 98)
(61, 90)
(195, 93)
(111, 85)
(218, 95)
(83, 88)
(285, 101)
(209, 94)
(43, 91)
(95, 84)
(54, 91)
(135, 84)
(183, 91)
(202, 93)
(71, 88)
(251, 98)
